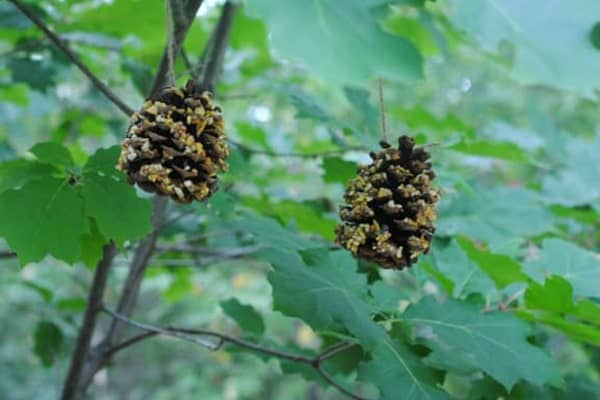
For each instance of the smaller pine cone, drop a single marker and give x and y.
(176, 144)
(391, 207)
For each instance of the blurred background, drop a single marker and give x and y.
(505, 97)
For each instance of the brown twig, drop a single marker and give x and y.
(316, 362)
(54, 38)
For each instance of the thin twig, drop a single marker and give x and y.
(295, 155)
(162, 331)
(315, 362)
(196, 250)
(54, 38)
(329, 379)
(335, 350)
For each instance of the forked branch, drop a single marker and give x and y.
(190, 335)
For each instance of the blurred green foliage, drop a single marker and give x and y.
(506, 305)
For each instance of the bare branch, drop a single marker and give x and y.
(187, 334)
(162, 331)
(216, 55)
(72, 388)
(54, 38)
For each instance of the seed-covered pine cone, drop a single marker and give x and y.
(176, 144)
(391, 207)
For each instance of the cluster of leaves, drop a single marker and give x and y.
(506, 303)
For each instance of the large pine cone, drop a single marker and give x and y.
(391, 207)
(176, 144)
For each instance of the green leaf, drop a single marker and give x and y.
(386, 297)
(114, 19)
(119, 213)
(248, 319)
(44, 292)
(47, 342)
(104, 162)
(579, 267)
(141, 75)
(465, 274)
(369, 114)
(306, 216)
(555, 295)
(92, 245)
(400, 374)
(269, 233)
(540, 52)
(576, 330)
(43, 217)
(325, 291)
(53, 153)
(181, 285)
(251, 35)
(38, 74)
(252, 133)
(461, 338)
(549, 304)
(576, 182)
(502, 269)
(595, 35)
(501, 150)
(335, 41)
(73, 304)
(413, 29)
(338, 170)
(496, 215)
(15, 173)
(307, 105)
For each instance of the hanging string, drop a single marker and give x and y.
(382, 110)
(170, 43)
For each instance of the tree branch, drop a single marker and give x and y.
(54, 38)
(72, 388)
(187, 334)
(216, 55)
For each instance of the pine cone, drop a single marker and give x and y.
(176, 144)
(391, 207)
